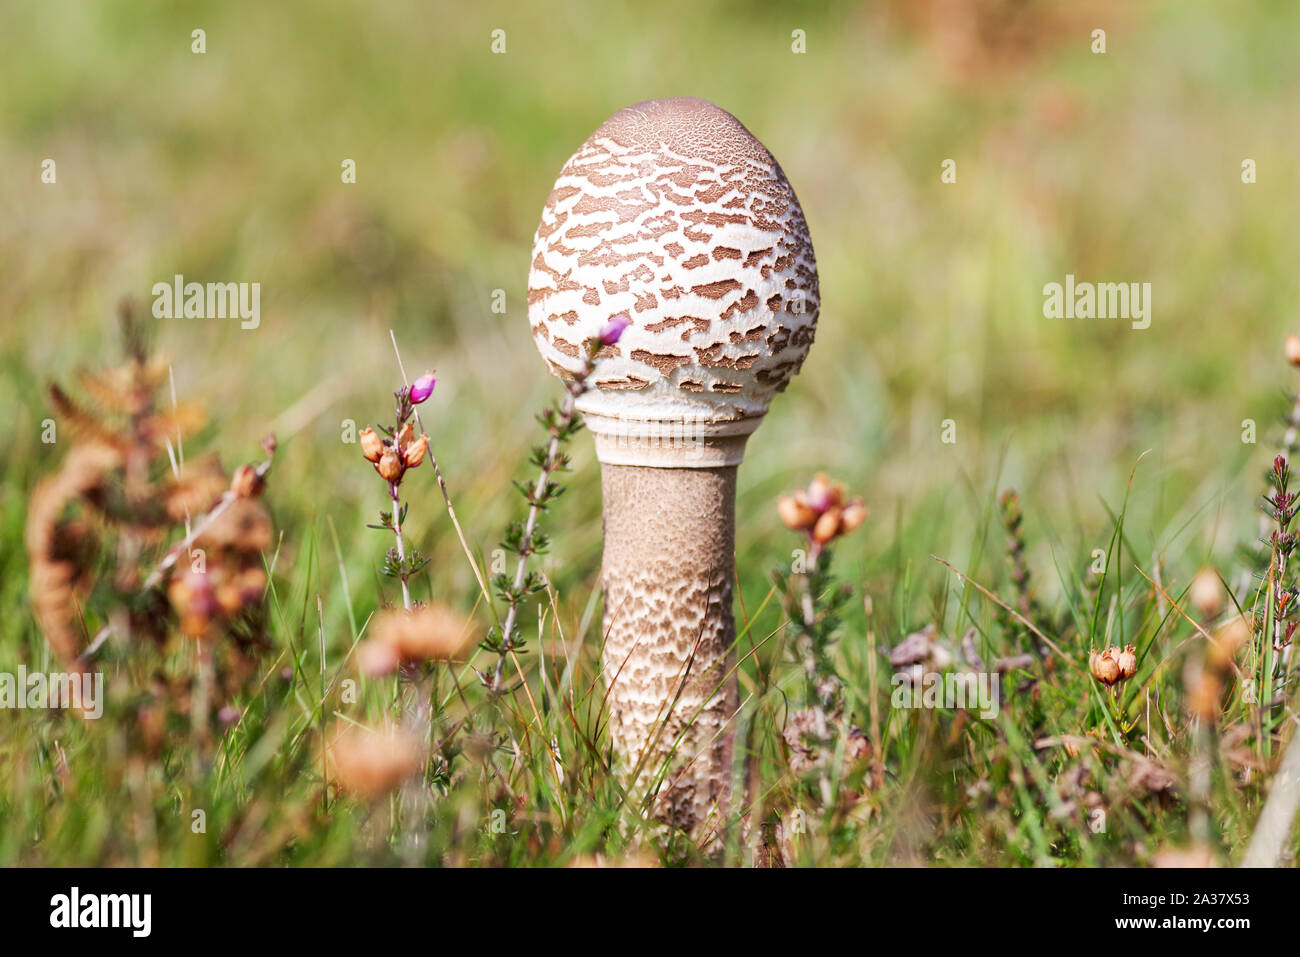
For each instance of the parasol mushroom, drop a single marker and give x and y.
(675, 215)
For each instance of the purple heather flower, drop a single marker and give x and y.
(422, 388)
(612, 331)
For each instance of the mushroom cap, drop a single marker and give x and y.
(673, 213)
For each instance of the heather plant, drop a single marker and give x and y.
(141, 557)
(1136, 720)
(392, 456)
(410, 754)
(374, 763)
(1273, 617)
(935, 382)
(1129, 711)
(823, 747)
(526, 539)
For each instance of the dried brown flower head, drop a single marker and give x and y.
(1127, 662)
(1204, 692)
(821, 511)
(371, 764)
(807, 734)
(392, 457)
(413, 454)
(390, 466)
(1206, 592)
(429, 633)
(1233, 635)
(1179, 857)
(795, 513)
(247, 482)
(372, 446)
(1104, 665)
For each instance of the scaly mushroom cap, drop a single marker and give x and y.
(673, 213)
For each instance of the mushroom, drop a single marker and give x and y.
(675, 215)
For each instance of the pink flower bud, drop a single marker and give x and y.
(422, 388)
(820, 496)
(612, 331)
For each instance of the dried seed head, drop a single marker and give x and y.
(1104, 666)
(1222, 651)
(828, 525)
(390, 466)
(1203, 692)
(1206, 592)
(195, 601)
(377, 658)
(1127, 662)
(795, 514)
(820, 510)
(854, 514)
(371, 764)
(430, 633)
(414, 453)
(246, 482)
(229, 598)
(857, 747)
(1174, 857)
(372, 446)
(405, 436)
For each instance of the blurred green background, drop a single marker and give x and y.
(1117, 167)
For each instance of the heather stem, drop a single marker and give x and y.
(442, 485)
(401, 548)
(534, 512)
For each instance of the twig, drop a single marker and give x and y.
(174, 553)
(395, 498)
(1011, 611)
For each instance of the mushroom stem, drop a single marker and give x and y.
(669, 664)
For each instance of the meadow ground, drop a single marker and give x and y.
(1122, 166)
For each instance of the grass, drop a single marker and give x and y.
(1119, 167)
